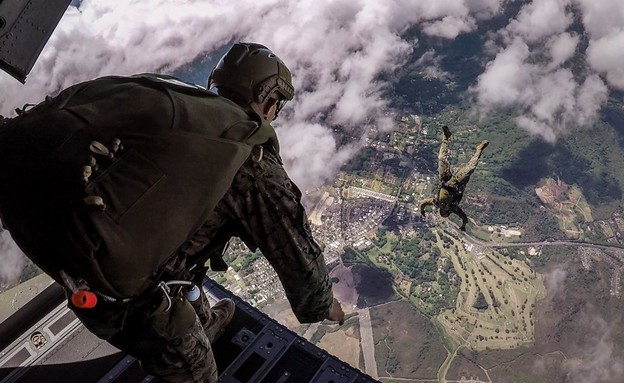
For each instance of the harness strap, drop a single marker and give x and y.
(164, 286)
(110, 299)
(451, 189)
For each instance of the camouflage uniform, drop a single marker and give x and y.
(452, 184)
(223, 178)
(263, 208)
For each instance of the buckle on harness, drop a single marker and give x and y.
(164, 286)
(84, 299)
(81, 297)
(257, 158)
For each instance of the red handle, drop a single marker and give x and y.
(84, 299)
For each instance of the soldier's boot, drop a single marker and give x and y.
(482, 146)
(446, 131)
(220, 315)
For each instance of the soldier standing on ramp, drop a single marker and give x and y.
(124, 188)
(452, 184)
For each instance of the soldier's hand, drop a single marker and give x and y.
(335, 313)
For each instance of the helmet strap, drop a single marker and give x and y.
(258, 109)
(262, 108)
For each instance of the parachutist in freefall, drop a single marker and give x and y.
(452, 183)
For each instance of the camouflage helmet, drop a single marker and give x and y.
(252, 73)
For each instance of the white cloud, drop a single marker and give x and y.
(431, 10)
(606, 55)
(314, 154)
(449, 18)
(550, 101)
(602, 18)
(562, 48)
(590, 97)
(541, 19)
(537, 127)
(604, 22)
(554, 280)
(484, 9)
(449, 27)
(529, 72)
(430, 64)
(13, 260)
(338, 48)
(335, 48)
(505, 78)
(599, 360)
(553, 94)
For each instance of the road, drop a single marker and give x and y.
(454, 228)
(368, 345)
(544, 243)
(311, 330)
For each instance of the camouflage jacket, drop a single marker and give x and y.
(263, 208)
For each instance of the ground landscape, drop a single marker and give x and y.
(503, 302)
(530, 293)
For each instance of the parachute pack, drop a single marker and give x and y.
(106, 180)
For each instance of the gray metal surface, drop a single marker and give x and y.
(253, 348)
(57, 343)
(25, 27)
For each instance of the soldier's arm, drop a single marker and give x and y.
(271, 218)
(428, 202)
(457, 210)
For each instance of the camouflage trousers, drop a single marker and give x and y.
(460, 177)
(171, 345)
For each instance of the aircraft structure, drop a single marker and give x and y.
(25, 27)
(45, 342)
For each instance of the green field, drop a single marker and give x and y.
(496, 299)
(407, 345)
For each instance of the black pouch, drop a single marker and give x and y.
(174, 322)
